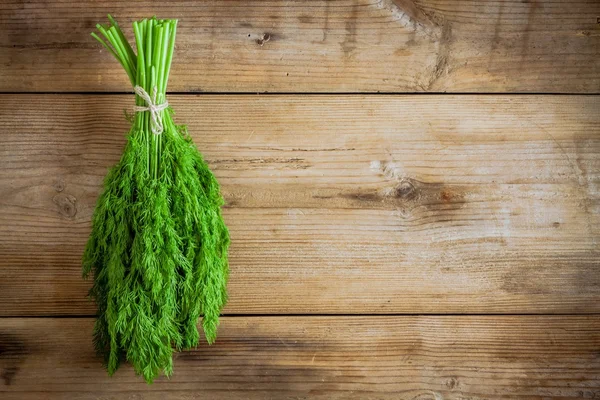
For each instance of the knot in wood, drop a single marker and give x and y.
(264, 38)
(406, 190)
(59, 185)
(66, 204)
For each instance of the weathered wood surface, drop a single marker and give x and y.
(316, 46)
(352, 204)
(477, 357)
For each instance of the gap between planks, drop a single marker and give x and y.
(282, 93)
(340, 315)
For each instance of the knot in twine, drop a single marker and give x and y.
(156, 124)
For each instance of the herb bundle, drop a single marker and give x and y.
(158, 247)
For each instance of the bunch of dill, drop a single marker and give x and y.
(158, 247)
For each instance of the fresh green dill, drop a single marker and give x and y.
(158, 246)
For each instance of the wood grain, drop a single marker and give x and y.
(317, 46)
(478, 357)
(351, 204)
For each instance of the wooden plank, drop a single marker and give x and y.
(317, 46)
(351, 204)
(478, 357)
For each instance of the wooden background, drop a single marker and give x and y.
(412, 188)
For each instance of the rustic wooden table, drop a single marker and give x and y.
(413, 197)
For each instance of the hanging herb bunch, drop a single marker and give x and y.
(158, 247)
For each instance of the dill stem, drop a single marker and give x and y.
(148, 83)
(141, 80)
(154, 138)
(170, 54)
(158, 85)
(120, 49)
(163, 47)
(126, 46)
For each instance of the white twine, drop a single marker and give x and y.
(155, 109)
